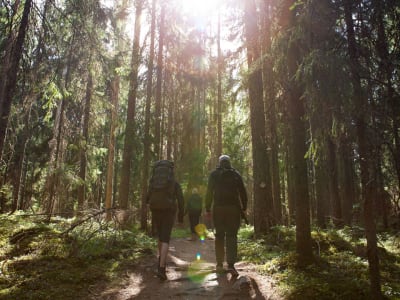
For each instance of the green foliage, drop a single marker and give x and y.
(340, 270)
(41, 261)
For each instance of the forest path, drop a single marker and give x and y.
(190, 278)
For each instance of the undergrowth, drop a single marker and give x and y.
(47, 261)
(40, 260)
(340, 270)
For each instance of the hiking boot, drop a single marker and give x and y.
(219, 269)
(161, 273)
(232, 271)
(192, 238)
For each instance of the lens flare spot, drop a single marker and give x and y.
(198, 256)
(197, 271)
(201, 229)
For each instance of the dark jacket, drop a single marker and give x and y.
(222, 192)
(194, 204)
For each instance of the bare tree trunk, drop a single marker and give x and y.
(114, 94)
(333, 183)
(263, 202)
(386, 66)
(12, 72)
(84, 142)
(146, 141)
(219, 87)
(361, 106)
(270, 103)
(160, 67)
(298, 149)
(124, 187)
(111, 145)
(349, 197)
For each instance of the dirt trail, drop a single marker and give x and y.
(190, 278)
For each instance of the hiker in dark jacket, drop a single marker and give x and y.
(164, 218)
(194, 207)
(227, 196)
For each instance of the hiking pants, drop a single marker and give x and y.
(163, 221)
(194, 218)
(226, 223)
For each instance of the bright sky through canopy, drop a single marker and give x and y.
(199, 8)
(199, 12)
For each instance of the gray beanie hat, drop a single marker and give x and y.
(224, 161)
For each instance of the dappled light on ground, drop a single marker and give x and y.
(191, 275)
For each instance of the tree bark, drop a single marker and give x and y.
(12, 73)
(219, 87)
(114, 87)
(270, 103)
(360, 113)
(298, 149)
(263, 202)
(84, 142)
(146, 140)
(124, 187)
(158, 102)
(333, 183)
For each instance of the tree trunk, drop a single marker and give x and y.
(347, 180)
(84, 142)
(12, 72)
(114, 87)
(298, 149)
(111, 181)
(158, 102)
(263, 203)
(124, 187)
(146, 141)
(270, 103)
(219, 87)
(386, 68)
(333, 183)
(361, 106)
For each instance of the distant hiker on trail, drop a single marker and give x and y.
(164, 198)
(194, 207)
(227, 194)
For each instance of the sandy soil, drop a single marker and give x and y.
(190, 278)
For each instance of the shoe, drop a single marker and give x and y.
(232, 271)
(219, 269)
(192, 238)
(161, 273)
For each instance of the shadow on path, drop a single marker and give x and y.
(191, 275)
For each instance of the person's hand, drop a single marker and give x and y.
(207, 215)
(180, 218)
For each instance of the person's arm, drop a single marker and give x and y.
(210, 192)
(148, 196)
(180, 200)
(242, 193)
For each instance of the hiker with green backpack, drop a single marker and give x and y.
(194, 207)
(164, 199)
(227, 196)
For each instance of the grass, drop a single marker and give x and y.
(340, 270)
(38, 261)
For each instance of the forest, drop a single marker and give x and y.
(303, 95)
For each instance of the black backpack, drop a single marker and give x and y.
(227, 186)
(162, 185)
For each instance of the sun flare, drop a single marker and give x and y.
(199, 7)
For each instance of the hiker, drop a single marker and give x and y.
(194, 207)
(227, 195)
(164, 198)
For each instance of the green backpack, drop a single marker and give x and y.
(162, 185)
